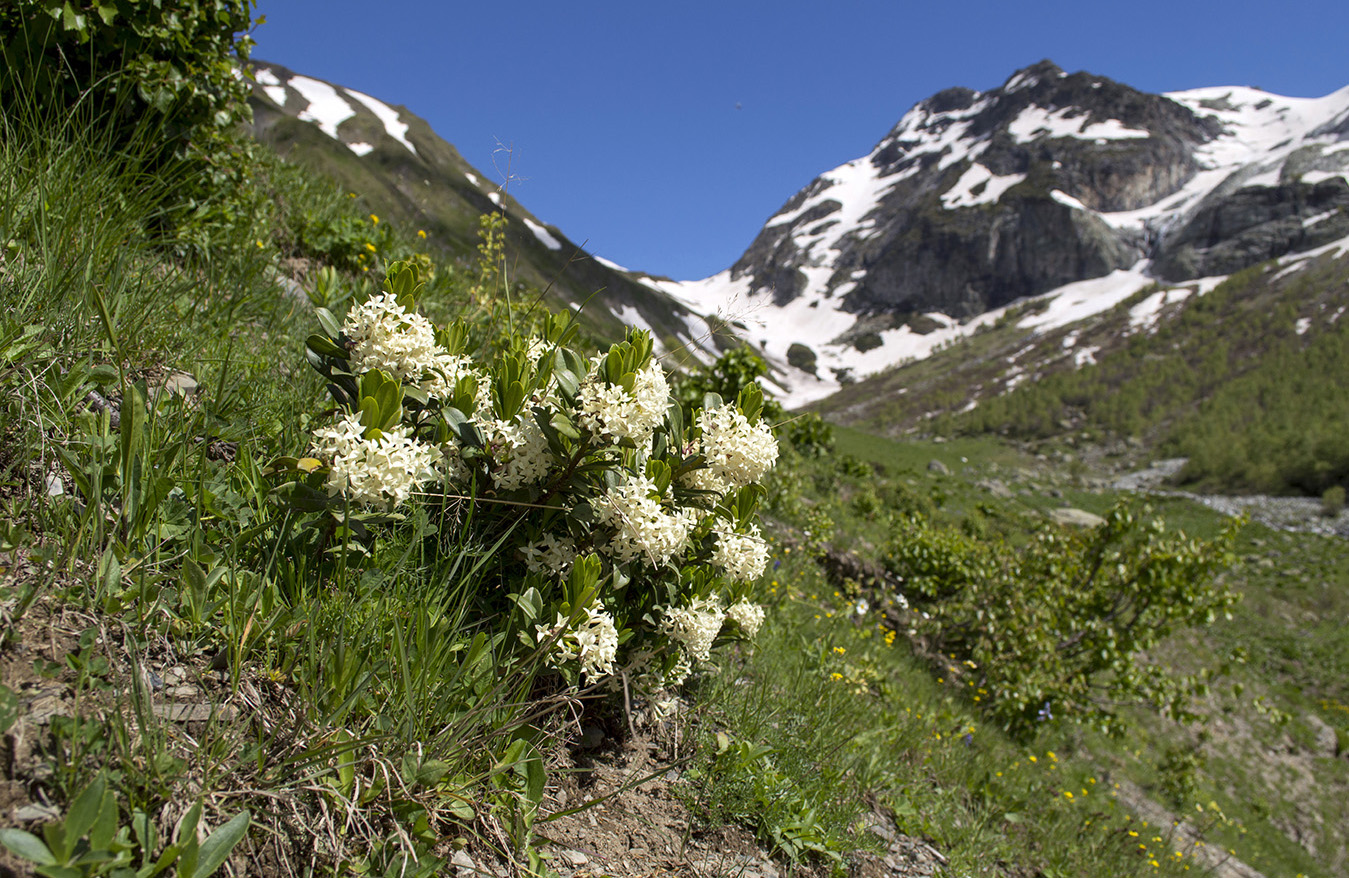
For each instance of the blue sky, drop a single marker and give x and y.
(664, 134)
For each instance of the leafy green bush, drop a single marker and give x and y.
(160, 79)
(1045, 630)
(620, 539)
(1332, 501)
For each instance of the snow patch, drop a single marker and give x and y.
(393, 124)
(326, 107)
(608, 264)
(495, 198)
(1144, 314)
(544, 236)
(361, 148)
(1036, 122)
(962, 194)
(1064, 198)
(271, 85)
(1314, 177)
(471, 178)
(1075, 301)
(1303, 324)
(1319, 218)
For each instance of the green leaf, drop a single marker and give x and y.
(216, 849)
(26, 845)
(104, 830)
(83, 812)
(9, 708)
(58, 842)
(325, 347)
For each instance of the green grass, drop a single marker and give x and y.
(1255, 741)
(378, 705)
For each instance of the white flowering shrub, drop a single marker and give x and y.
(617, 533)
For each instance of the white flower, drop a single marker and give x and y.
(736, 450)
(642, 528)
(390, 338)
(548, 554)
(519, 450)
(742, 557)
(609, 411)
(444, 373)
(704, 479)
(381, 471)
(748, 616)
(695, 626)
(594, 641)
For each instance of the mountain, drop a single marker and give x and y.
(1068, 186)
(404, 170)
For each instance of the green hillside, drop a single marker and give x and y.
(326, 549)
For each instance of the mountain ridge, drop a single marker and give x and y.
(977, 200)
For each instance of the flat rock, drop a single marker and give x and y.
(1074, 517)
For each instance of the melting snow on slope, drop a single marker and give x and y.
(1036, 122)
(1260, 130)
(266, 77)
(1144, 315)
(1074, 301)
(544, 236)
(326, 107)
(397, 128)
(990, 187)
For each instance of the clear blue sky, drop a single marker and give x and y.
(665, 133)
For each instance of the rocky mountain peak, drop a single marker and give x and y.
(975, 200)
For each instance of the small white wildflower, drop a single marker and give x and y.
(520, 451)
(747, 615)
(642, 528)
(736, 450)
(609, 411)
(382, 471)
(594, 642)
(742, 557)
(695, 626)
(387, 337)
(444, 373)
(549, 554)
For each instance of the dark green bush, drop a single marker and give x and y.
(1045, 630)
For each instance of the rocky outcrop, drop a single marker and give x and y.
(976, 199)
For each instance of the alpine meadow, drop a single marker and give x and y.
(985, 518)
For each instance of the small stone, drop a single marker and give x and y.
(31, 813)
(1074, 517)
(936, 466)
(576, 858)
(461, 860)
(194, 713)
(55, 487)
(180, 384)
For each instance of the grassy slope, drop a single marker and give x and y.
(1225, 379)
(851, 718)
(431, 191)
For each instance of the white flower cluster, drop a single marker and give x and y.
(737, 451)
(748, 616)
(388, 337)
(743, 557)
(549, 554)
(695, 626)
(380, 471)
(519, 450)
(594, 641)
(609, 411)
(642, 528)
(444, 373)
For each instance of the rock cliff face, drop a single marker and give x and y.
(977, 199)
